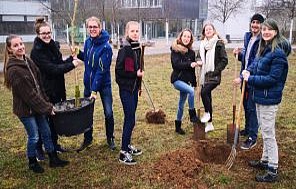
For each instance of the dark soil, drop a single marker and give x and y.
(182, 167)
(157, 116)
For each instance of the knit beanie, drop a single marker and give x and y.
(258, 17)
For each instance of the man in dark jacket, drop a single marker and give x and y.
(246, 56)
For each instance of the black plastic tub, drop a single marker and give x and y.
(70, 120)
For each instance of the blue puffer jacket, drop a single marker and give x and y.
(253, 51)
(268, 76)
(97, 57)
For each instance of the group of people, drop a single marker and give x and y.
(264, 68)
(37, 83)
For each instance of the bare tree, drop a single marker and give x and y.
(221, 10)
(290, 5)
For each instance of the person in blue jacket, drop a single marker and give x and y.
(97, 57)
(246, 56)
(267, 77)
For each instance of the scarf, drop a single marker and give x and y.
(207, 55)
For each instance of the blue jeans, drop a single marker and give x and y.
(185, 89)
(107, 101)
(251, 121)
(32, 125)
(129, 102)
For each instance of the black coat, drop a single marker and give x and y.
(127, 65)
(49, 60)
(221, 61)
(182, 70)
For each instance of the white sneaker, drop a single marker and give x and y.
(209, 127)
(206, 117)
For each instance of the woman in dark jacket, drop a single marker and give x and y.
(128, 77)
(47, 56)
(267, 77)
(30, 102)
(213, 60)
(183, 75)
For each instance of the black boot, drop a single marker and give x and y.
(178, 127)
(270, 175)
(34, 165)
(111, 143)
(55, 161)
(193, 117)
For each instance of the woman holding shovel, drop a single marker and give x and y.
(213, 60)
(183, 75)
(128, 74)
(47, 56)
(267, 77)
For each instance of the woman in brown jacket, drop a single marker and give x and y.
(30, 102)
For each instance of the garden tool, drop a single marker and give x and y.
(199, 127)
(230, 160)
(156, 115)
(231, 126)
(141, 67)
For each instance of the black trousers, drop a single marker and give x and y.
(206, 96)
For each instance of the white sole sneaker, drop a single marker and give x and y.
(206, 117)
(209, 127)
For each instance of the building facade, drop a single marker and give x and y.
(18, 17)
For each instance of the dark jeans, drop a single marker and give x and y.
(35, 125)
(107, 101)
(251, 122)
(129, 102)
(206, 96)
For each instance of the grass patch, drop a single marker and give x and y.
(97, 167)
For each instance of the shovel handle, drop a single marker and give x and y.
(234, 85)
(238, 120)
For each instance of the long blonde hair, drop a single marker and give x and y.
(203, 35)
(8, 53)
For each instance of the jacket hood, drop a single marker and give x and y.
(179, 48)
(13, 61)
(101, 39)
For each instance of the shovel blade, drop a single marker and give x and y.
(199, 131)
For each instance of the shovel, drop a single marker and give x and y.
(231, 126)
(230, 160)
(199, 127)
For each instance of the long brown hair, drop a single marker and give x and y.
(179, 40)
(8, 53)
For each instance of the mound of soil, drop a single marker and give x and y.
(181, 167)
